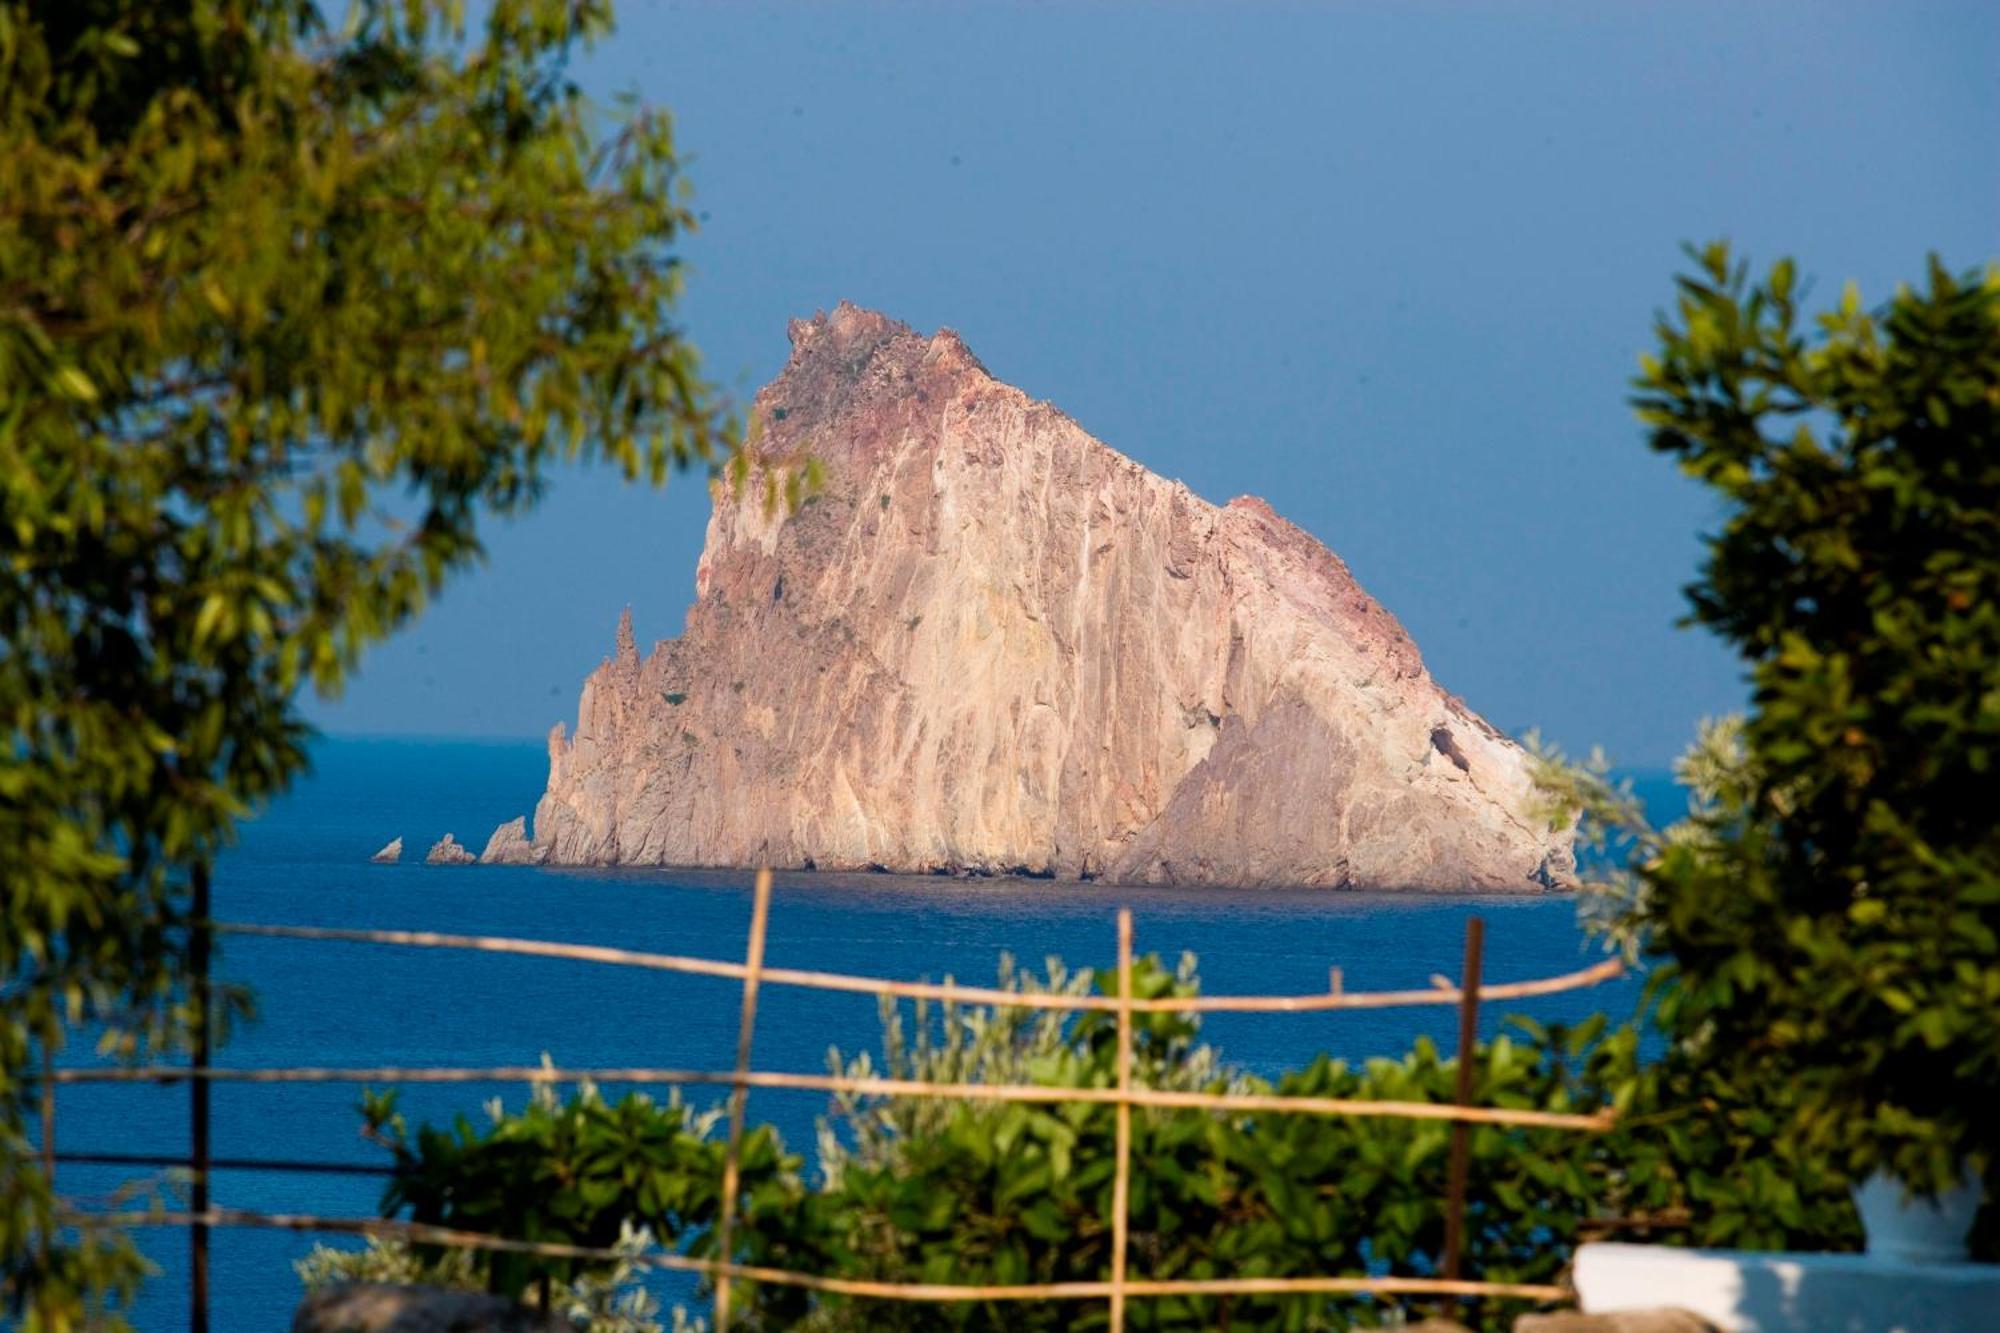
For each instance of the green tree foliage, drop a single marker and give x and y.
(288, 302)
(916, 1190)
(1829, 926)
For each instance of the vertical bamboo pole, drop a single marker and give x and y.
(49, 1133)
(739, 1095)
(48, 1106)
(201, 929)
(1121, 1181)
(1461, 1132)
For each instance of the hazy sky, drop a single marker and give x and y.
(1387, 265)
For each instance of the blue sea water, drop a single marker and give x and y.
(304, 862)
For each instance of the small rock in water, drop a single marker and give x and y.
(509, 846)
(391, 853)
(448, 852)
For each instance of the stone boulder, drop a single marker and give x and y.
(448, 851)
(391, 852)
(376, 1307)
(509, 846)
(1616, 1321)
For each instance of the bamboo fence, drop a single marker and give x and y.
(1467, 995)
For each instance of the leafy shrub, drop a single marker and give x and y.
(1721, 1125)
(997, 1193)
(986, 1192)
(578, 1171)
(1826, 921)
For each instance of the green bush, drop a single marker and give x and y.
(1841, 927)
(988, 1193)
(579, 1171)
(993, 1193)
(1826, 922)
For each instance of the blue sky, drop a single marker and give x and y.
(1388, 265)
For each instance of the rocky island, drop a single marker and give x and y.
(991, 644)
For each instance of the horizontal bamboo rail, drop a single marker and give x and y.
(420, 1234)
(864, 1087)
(282, 1165)
(1331, 999)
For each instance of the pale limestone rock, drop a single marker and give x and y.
(993, 644)
(509, 846)
(391, 853)
(380, 1307)
(447, 851)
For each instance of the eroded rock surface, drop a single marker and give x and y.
(992, 644)
(392, 852)
(448, 851)
(509, 846)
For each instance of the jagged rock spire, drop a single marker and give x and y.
(628, 647)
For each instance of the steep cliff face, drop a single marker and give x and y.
(991, 643)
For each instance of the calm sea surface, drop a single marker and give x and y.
(305, 862)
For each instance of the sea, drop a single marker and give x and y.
(305, 861)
